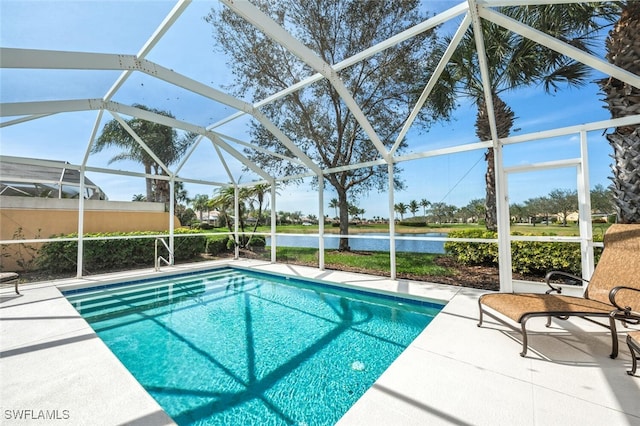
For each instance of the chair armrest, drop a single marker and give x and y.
(550, 274)
(628, 310)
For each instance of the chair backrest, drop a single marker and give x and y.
(619, 265)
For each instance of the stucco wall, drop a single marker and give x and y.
(42, 218)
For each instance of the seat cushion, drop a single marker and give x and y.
(516, 306)
(8, 277)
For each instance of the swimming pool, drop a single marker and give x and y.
(231, 346)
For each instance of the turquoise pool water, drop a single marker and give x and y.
(235, 347)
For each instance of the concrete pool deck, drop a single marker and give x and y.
(52, 364)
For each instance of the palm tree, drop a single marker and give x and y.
(353, 211)
(181, 195)
(200, 204)
(424, 203)
(621, 99)
(334, 204)
(224, 201)
(258, 192)
(413, 207)
(162, 140)
(401, 209)
(514, 61)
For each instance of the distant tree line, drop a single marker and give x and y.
(559, 204)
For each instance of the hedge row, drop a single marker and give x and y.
(528, 257)
(135, 251)
(224, 244)
(413, 223)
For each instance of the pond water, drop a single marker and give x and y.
(367, 242)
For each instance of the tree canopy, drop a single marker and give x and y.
(385, 86)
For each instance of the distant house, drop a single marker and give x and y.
(574, 217)
(571, 217)
(211, 217)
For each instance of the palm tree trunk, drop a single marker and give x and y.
(149, 182)
(504, 122)
(491, 208)
(623, 50)
(626, 174)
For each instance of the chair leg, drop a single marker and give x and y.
(634, 356)
(481, 311)
(614, 338)
(525, 344)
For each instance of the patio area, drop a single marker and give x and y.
(52, 364)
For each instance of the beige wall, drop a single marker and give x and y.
(42, 218)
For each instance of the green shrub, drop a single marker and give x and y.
(527, 257)
(413, 223)
(469, 253)
(188, 247)
(60, 256)
(257, 242)
(217, 245)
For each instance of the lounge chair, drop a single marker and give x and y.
(633, 338)
(619, 266)
(10, 278)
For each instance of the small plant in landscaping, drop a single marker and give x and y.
(24, 254)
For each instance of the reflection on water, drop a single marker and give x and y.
(367, 244)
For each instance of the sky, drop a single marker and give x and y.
(188, 48)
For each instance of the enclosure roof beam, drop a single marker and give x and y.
(478, 36)
(188, 154)
(177, 124)
(165, 25)
(274, 31)
(51, 163)
(560, 47)
(43, 108)
(46, 107)
(284, 139)
(22, 120)
(629, 120)
(140, 142)
(224, 163)
(557, 164)
(51, 59)
(259, 148)
(432, 81)
(47, 59)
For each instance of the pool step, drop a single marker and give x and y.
(101, 293)
(129, 299)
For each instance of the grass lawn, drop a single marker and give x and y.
(421, 264)
(413, 265)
